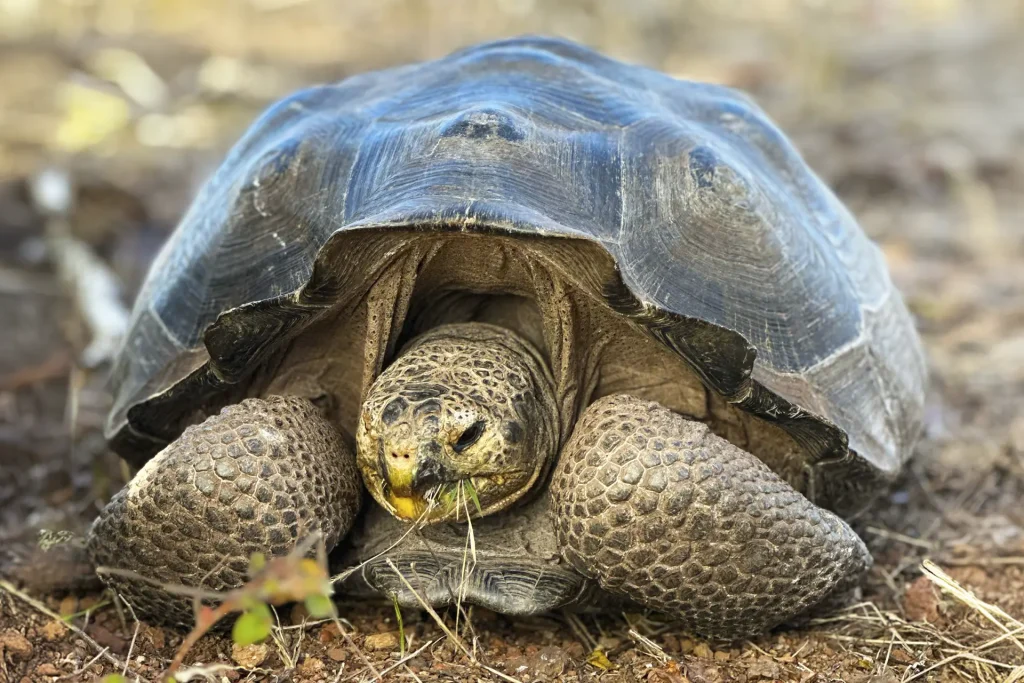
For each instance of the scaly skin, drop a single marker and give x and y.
(660, 510)
(259, 477)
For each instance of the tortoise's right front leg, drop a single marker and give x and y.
(660, 510)
(259, 477)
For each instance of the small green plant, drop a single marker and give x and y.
(471, 492)
(254, 625)
(277, 581)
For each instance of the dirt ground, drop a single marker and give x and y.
(912, 109)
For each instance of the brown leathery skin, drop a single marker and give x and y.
(260, 476)
(659, 509)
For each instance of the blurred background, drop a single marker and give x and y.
(913, 110)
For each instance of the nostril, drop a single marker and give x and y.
(406, 456)
(394, 455)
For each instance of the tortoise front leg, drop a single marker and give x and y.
(657, 508)
(259, 477)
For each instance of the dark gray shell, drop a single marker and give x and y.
(729, 248)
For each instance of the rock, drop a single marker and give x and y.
(921, 601)
(156, 636)
(329, 632)
(574, 649)
(15, 644)
(515, 662)
(698, 671)
(68, 606)
(550, 661)
(312, 666)
(382, 641)
(721, 656)
(88, 602)
(47, 669)
(54, 630)
(338, 654)
(703, 651)
(764, 668)
(669, 674)
(298, 614)
(250, 656)
(108, 638)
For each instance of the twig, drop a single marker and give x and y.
(430, 610)
(947, 584)
(85, 667)
(397, 664)
(901, 538)
(447, 631)
(135, 635)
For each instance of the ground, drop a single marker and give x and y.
(913, 110)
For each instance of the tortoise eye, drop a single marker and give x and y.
(470, 436)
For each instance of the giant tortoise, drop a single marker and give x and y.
(608, 319)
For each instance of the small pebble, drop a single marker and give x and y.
(108, 638)
(68, 606)
(382, 641)
(549, 662)
(54, 630)
(921, 601)
(156, 636)
(15, 644)
(298, 614)
(764, 668)
(338, 654)
(329, 632)
(703, 651)
(47, 669)
(515, 662)
(312, 666)
(250, 656)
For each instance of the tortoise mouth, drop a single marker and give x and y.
(451, 501)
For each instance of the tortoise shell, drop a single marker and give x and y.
(727, 248)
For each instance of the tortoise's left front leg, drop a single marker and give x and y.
(662, 511)
(259, 477)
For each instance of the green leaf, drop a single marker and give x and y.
(257, 561)
(319, 606)
(471, 490)
(253, 626)
(114, 678)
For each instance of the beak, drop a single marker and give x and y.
(409, 477)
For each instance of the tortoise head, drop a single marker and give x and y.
(464, 422)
